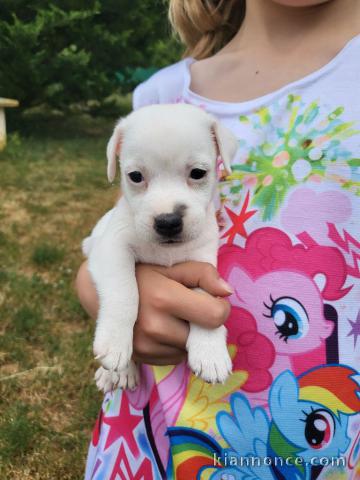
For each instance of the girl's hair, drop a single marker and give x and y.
(205, 26)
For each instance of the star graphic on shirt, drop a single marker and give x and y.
(123, 469)
(355, 328)
(238, 221)
(123, 425)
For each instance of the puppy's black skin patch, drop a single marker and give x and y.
(180, 209)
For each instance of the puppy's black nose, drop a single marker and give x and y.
(168, 224)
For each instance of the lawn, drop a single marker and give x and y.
(53, 187)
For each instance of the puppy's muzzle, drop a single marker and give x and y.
(168, 225)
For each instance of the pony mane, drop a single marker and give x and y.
(333, 386)
(269, 249)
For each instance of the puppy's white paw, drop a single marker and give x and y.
(208, 356)
(107, 380)
(211, 367)
(113, 351)
(130, 377)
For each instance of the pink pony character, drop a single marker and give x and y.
(279, 318)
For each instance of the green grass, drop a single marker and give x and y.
(53, 187)
(18, 432)
(46, 254)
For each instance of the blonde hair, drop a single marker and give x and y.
(205, 26)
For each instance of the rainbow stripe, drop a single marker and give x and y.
(192, 452)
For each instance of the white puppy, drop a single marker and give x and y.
(168, 157)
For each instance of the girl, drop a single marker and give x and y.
(284, 76)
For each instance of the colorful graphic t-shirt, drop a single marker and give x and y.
(290, 246)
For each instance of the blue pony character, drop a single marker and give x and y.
(309, 420)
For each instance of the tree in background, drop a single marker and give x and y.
(71, 51)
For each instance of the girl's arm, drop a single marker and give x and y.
(167, 304)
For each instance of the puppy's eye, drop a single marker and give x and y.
(197, 173)
(136, 177)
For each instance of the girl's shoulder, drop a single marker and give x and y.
(165, 86)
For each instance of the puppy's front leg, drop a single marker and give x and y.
(208, 356)
(112, 266)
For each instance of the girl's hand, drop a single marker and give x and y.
(167, 304)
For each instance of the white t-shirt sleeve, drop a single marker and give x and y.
(165, 86)
(144, 94)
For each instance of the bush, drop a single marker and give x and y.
(72, 51)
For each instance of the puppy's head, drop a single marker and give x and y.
(168, 161)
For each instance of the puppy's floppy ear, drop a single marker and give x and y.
(226, 144)
(113, 149)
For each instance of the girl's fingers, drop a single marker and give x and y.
(147, 350)
(192, 306)
(161, 292)
(163, 329)
(202, 275)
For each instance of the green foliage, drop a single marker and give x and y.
(69, 51)
(14, 143)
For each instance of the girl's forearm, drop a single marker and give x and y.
(86, 291)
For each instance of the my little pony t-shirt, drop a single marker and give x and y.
(289, 216)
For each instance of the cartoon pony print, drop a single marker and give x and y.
(281, 290)
(309, 421)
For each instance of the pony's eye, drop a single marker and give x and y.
(290, 318)
(197, 173)
(319, 428)
(136, 177)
